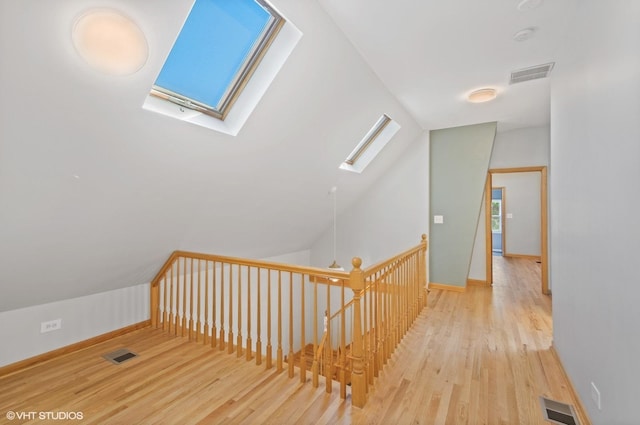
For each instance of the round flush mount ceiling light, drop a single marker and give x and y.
(525, 34)
(482, 95)
(529, 4)
(110, 42)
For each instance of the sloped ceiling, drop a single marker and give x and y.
(95, 192)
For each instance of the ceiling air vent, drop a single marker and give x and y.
(532, 73)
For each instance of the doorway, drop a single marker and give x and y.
(498, 230)
(489, 222)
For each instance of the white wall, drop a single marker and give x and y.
(389, 218)
(523, 147)
(522, 202)
(82, 318)
(595, 199)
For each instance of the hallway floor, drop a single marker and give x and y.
(478, 357)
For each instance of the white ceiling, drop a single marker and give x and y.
(432, 53)
(95, 192)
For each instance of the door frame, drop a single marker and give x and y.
(544, 243)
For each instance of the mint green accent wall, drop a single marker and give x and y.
(459, 161)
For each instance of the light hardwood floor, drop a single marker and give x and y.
(479, 357)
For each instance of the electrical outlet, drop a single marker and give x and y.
(595, 395)
(51, 325)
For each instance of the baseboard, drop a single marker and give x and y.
(580, 410)
(476, 282)
(445, 287)
(527, 256)
(31, 361)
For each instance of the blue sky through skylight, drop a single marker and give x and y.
(211, 48)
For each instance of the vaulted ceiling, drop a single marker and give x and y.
(95, 192)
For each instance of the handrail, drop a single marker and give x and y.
(313, 271)
(225, 301)
(321, 345)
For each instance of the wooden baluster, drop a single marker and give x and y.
(172, 286)
(239, 341)
(177, 326)
(291, 355)
(416, 285)
(423, 271)
(154, 301)
(230, 333)
(379, 331)
(403, 307)
(259, 324)
(343, 345)
(407, 301)
(279, 351)
(396, 308)
(314, 366)
(328, 352)
(387, 314)
(392, 311)
(303, 345)
(207, 326)
(358, 379)
(221, 307)
(405, 287)
(198, 311)
(249, 342)
(413, 282)
(167, 294)
(183, 322)
(191, 302)
(214, 330)
(368, 314)
(269, 363)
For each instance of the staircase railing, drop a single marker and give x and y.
(228, 303)
(393, 294)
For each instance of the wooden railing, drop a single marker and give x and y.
(282, 307)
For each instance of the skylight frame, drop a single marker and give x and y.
(242, 77)
(374, 141)
(368, 139)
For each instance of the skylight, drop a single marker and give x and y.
(216, 53)
(371, 144)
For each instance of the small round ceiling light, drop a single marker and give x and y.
(110, 42)
(525, 5)
(525, 34)
(482, 95)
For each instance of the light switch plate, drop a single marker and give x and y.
(438, 219)
(509, 215)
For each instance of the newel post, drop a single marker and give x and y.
(358, 379)
(423, 270)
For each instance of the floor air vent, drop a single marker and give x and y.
(558, 413)
(120, 356)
